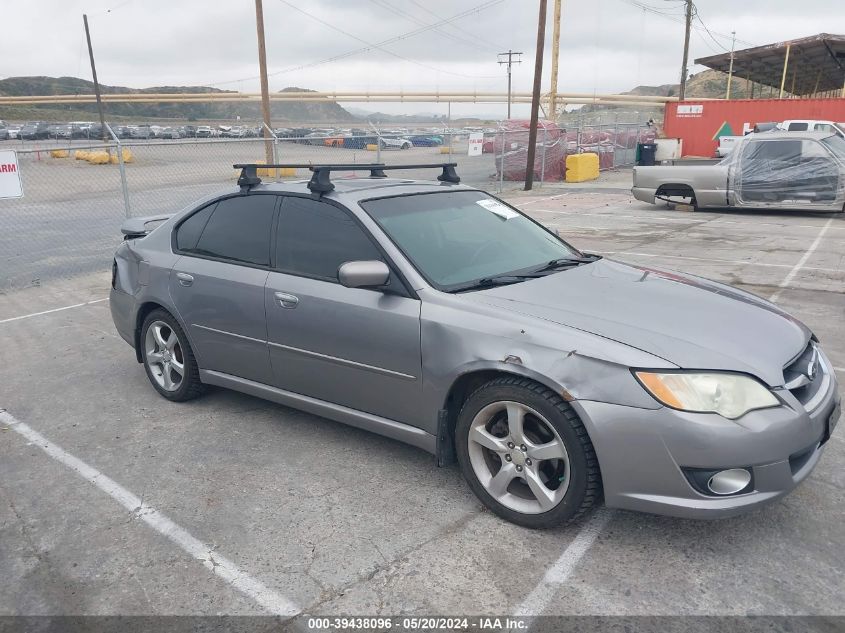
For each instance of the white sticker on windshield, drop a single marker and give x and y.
(494, 206)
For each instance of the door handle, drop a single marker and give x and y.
(287, 300)
(185, 279)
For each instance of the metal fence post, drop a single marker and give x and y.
(543, 163)
(275, 147)
(615, 141)
(502, 164)
(123, 186)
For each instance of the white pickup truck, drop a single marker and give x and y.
(727, 143)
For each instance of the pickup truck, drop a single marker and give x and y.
(768, 170)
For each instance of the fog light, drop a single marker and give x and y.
(729, 482)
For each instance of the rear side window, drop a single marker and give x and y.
(188, 233)
(315, 238)
(237, 229)
(798, 127)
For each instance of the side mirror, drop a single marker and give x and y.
(364, 274)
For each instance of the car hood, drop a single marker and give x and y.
(691, 322)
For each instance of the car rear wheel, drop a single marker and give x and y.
(168, 358)
(526, 455)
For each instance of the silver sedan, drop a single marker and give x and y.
(437, 315)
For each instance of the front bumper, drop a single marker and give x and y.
(642, 453)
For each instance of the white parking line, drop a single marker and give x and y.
(544, 593)
(839, 369)
(220, 566)
(712, 260)
(798, 266)
(35, 314)
(700, 219)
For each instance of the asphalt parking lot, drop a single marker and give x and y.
(116, 501)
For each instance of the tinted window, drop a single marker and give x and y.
(797, 127)
(315, 238)
(238, 229)
(190, 230)
(453, 238)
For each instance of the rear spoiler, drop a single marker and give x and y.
(139, 227)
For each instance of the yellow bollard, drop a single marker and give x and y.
(59, 153)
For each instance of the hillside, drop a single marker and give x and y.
(708, 83)
(287, 112)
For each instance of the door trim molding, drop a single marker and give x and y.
(343, 361)
(367, 421)
(241, 336)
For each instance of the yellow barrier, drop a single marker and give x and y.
(444, 149)
(127, 157)
(81, 154)
(372, 147)
(270, 172)
(59, 153)
(98, 158)
(581, 167)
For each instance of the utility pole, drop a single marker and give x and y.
(535, 97)
(96, 83)
(683, 87)
(510, 62)
(731, 67)
(555, 55)
(265, 90)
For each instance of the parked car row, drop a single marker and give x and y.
(354, 138)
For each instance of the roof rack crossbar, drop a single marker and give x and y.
(321, 178)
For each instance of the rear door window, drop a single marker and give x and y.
(237, 229)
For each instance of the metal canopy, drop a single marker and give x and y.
(801, 67)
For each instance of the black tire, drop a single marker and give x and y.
(585, 486)
(190, 386)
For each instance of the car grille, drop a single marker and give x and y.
(806, 376)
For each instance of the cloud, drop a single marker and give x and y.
(606, 45)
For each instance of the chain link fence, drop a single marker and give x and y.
(77, 193)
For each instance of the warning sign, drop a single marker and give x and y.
(10, 175)
(476, 144)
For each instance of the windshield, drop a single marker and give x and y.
(463, 236)
(836, 144)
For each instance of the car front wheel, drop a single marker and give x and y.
(168, 358)
(526, 455)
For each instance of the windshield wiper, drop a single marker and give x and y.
(496, 280)
(565, 262)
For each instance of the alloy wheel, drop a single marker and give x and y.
(518, 457)
(164, 356)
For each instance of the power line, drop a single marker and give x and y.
(722, 35)
(470, 34)
(408, 16)
(378, 45)
(369, 44)
(679, 18)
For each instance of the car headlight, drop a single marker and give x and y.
(729, 395)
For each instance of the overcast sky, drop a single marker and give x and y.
(606, 45)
